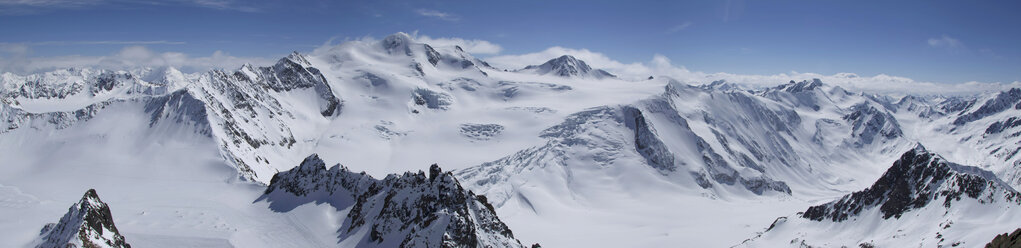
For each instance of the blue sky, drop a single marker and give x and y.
(936, 41)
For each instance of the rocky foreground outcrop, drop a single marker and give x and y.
(86, 224)
(408, 210)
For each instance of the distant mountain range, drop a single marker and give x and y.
(553, 150)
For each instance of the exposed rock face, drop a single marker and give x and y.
(1006, 240)
(252, 117)
(409, 210)
(647, 143)
(870, 124)
(1005, 100)
(86, 224)
(179, 107)
(918, 178)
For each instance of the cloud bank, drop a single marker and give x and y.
(14, 58)
(436, 14)
(471, 46)
(945, 42)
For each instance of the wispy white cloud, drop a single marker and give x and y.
(226, 5)
(100, 42)
(130, 57)
(14, 49)
(437, 14)
(30, 7)
(470, 46)
(47, 2)
(945, 42)
(679, 27)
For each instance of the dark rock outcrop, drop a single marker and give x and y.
(1006, 240)
(917, 179)
(870, 124)
(86, 224)
(408, 210)
(1003, 101)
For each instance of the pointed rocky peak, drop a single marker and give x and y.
(434, 171)
(313, 176)
(298, 58)
(567, 66)
(86, 224)
(398, 43)
(416, 210)
(295, 72)
(916, 180)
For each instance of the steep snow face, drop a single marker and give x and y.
(409, 210)
(86, 224)
(921, 199)
(259, 115)
(567, 66)
(263, 116)
(729, 142)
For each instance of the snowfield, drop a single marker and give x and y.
(560, 154)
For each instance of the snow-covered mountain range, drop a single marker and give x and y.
(560, 154)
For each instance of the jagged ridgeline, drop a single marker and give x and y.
(88, 223)
(406, 210)
(916, 179)
(920, 197)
